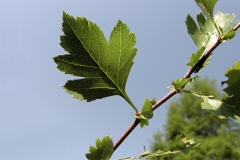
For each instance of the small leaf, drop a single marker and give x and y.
(206, 62)
(191, 80)
(144, 120)
(104, 66)
(228, 35)
(189, 143)
(147, 108)
(146, 112)
(153, 101)
(196, 56)
(181, 83)
(103, 150)
(204, 36)
(223, 21)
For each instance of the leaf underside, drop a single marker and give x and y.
(208, 30)
(233, 90)
(230, 106)
(103, 150)
(104, 66)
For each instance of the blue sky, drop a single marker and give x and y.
(39, 120)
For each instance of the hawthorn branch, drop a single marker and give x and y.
(136, 121)
(171, 93)
(236, 27)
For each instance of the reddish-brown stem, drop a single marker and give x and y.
(171, 93)
(136, 121)
(128, 131)
(236, 27)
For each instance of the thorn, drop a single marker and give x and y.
(144, 147)
(223, 83)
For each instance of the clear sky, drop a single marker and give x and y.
(39, 121)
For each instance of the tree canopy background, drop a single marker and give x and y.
(186, 116)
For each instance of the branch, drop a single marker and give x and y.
(171, 93)
(136, 121)
(236, 27)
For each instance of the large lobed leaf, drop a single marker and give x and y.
(203, 34)
(104, 65)
(209, 29)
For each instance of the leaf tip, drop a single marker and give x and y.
(74, 94)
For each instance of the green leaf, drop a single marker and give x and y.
(230, 106)
(205, 63)
(144, 120)
(104, 66)
(189, 143)
(223, 21)
(205, 35)
(229, 33)
(233, 74)
(146, 112)
(209, 30)
(103, 150)
(220, 22)
(219, 108)
(207, 6)
(196, 56)
(153, 101)
(181, 83)
(147, 108)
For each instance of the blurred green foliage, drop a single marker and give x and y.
(185, 115)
